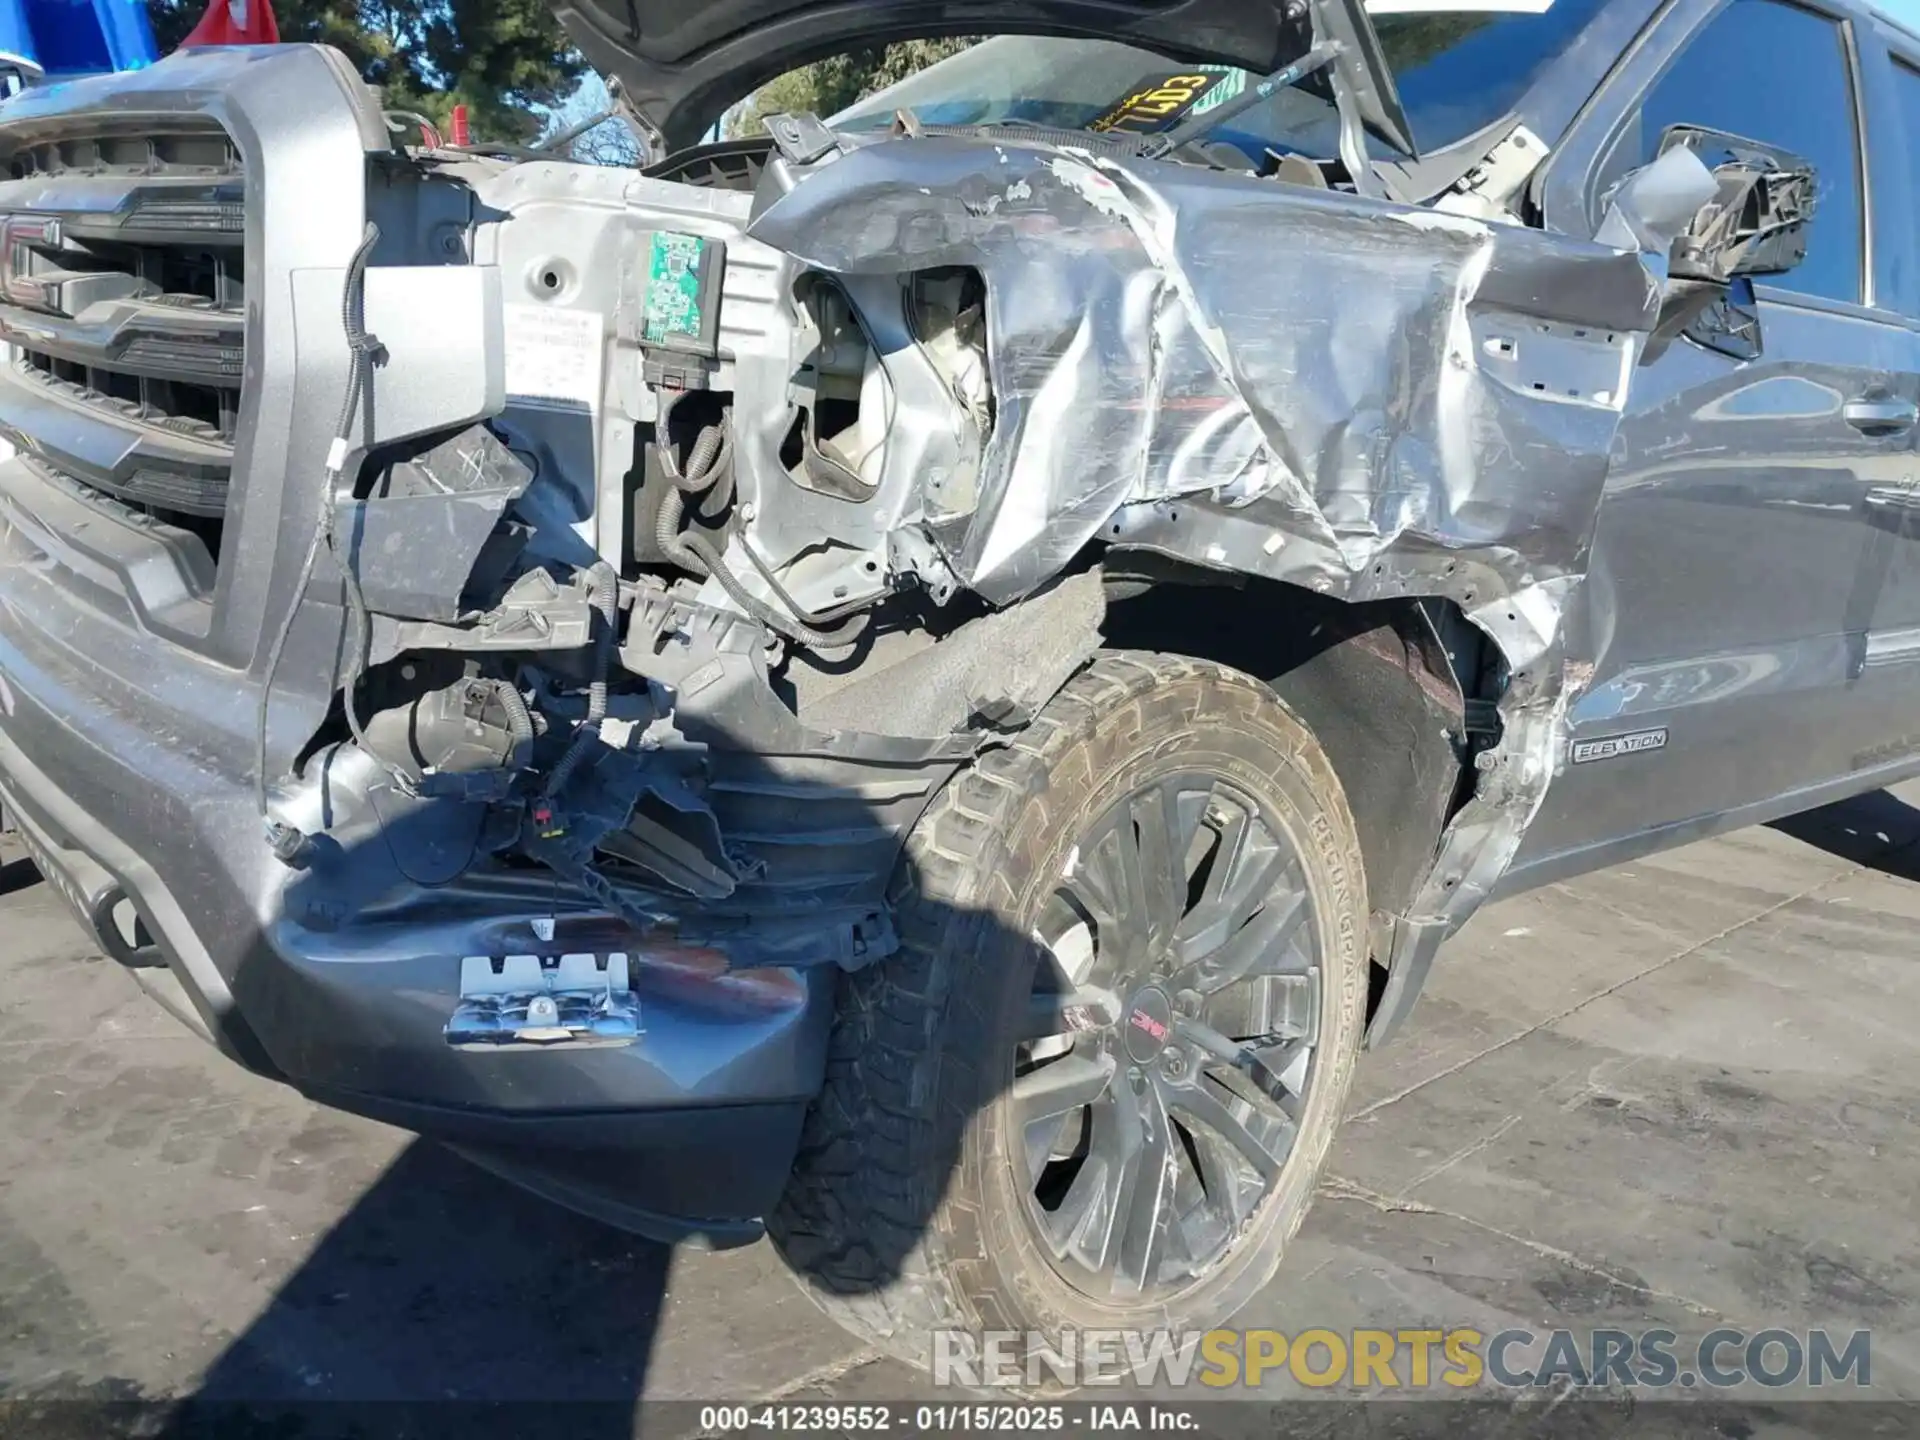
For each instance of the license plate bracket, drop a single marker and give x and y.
(533, 1002)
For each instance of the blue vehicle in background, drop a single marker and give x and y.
(59, 39)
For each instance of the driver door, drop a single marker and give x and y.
(1727, 605)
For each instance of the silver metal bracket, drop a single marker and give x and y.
(910, 552)
(1491, 190)
(523, 1002)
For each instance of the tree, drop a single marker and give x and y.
(830, 85)
(506, 60)
(610, 142)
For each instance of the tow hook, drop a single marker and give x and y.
(527, 1002)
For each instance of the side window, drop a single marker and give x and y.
(1776, 73)
(1895, 252)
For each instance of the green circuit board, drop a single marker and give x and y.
(677, 289)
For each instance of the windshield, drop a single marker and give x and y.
(1458, 69)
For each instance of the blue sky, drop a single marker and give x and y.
(1907, 12)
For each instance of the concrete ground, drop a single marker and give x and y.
(1678, 1093)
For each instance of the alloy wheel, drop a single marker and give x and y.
(1168, 1052)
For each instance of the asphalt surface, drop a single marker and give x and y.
(1681, 1093)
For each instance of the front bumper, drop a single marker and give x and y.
(131, 663)
(134, 797)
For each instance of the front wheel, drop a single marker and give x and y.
(1097, 1085)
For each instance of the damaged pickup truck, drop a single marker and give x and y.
(925, 683)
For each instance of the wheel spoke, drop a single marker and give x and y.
(1080, 1207)
(1281, 1074)
(1244, 1056)
(1044, 1139)
(1117, 1216)
(1261, 1139)
(1097, 886)
(1087, 1220)
(1146, 1221)
(1212, 1196)
(1156, 864)
(1246, 865)
(1230, 1195)
(1130, 878)
(1052, 1090)
(1264, 945)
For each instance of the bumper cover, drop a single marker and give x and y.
(132, 799)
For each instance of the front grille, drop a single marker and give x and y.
(123, 295)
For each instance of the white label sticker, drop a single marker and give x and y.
(553, 356)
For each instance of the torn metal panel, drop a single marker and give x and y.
(1315, 362)
(1364, 399)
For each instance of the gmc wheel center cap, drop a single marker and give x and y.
(1148, 1023)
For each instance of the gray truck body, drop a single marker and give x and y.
(1597, 590)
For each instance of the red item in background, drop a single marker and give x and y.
(461, 135)
(235, 22)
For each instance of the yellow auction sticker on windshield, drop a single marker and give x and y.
(1159, 100)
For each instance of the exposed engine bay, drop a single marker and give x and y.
(811, 455)
(723, 570)
(666, 637)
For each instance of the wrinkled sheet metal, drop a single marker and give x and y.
(1363, 398)
(1368, 382)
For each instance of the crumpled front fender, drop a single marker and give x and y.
(1361, 398)
(1389, 400)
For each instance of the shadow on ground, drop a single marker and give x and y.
(1878, 830)
(445, 1301)
(17, 875)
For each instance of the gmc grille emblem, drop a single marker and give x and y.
(18, 235)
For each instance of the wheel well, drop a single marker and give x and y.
(1379, 684)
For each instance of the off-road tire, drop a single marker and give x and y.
(895, 1220)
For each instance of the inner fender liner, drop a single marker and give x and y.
(1379, 695)
(1001, 668)
(1371, 680)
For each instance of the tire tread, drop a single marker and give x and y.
(877, 1144)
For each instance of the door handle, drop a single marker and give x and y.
(1893, 500)
(1881, 413)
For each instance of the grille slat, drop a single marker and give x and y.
(190, 150)
(165, 337)
(122, 291)
(115, 445)
(140, 209)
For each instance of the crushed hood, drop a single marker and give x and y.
(683, 62)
